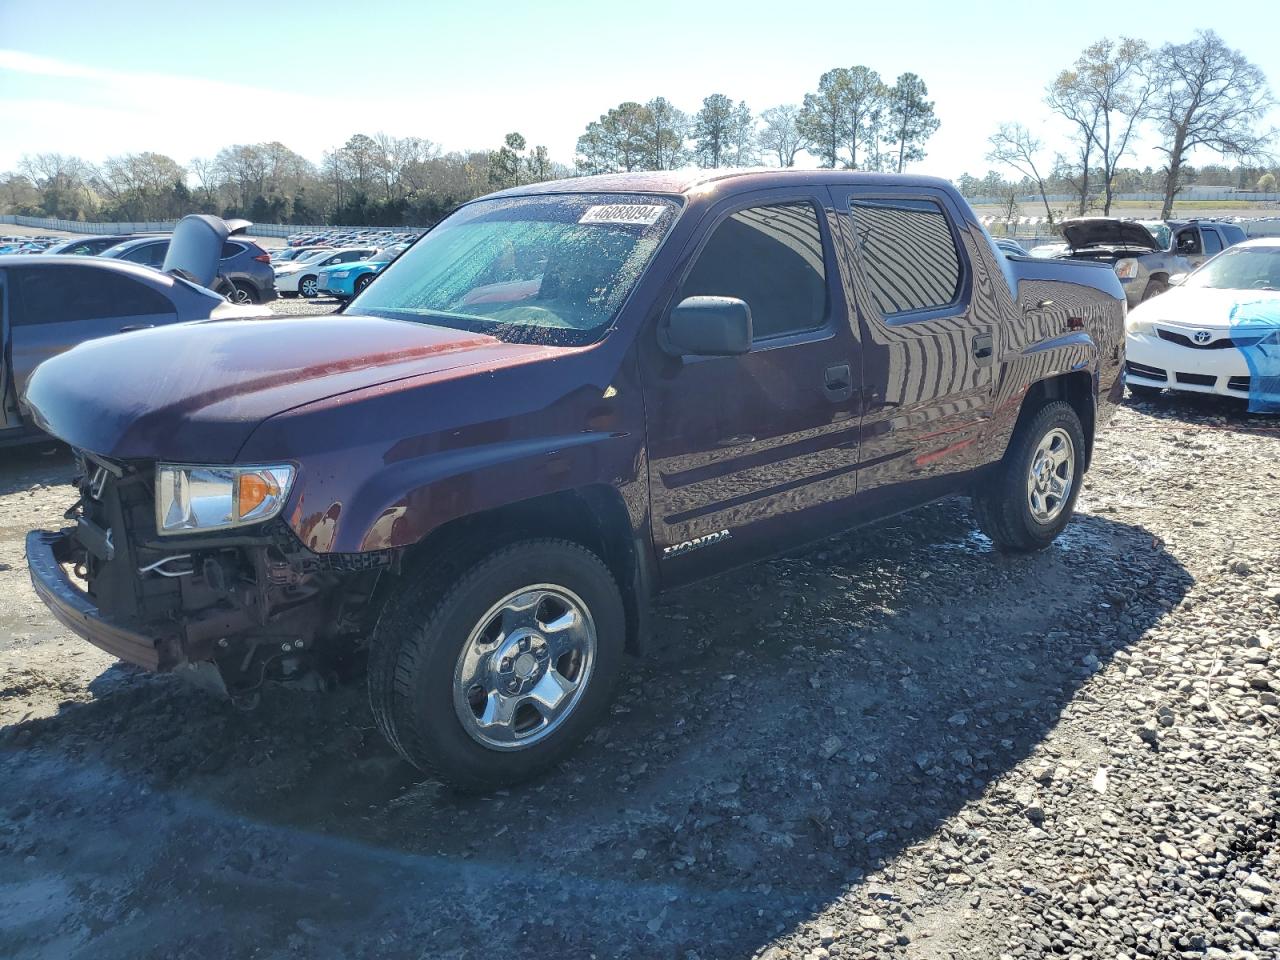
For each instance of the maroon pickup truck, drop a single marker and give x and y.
(560, 401)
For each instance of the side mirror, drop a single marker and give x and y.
(1177, 279)
(709, 327)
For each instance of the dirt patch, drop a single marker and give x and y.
(895, 743)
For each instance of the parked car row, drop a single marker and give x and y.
(245, 265)
(298, 276)
(344, 281)
(378, 237)
(49, 304)
(26, 245)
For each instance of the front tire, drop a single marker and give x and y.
(1033, 495)
(362, 282)
(493, 674)
(1154, 289)
(307, 287)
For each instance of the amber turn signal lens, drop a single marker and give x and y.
(254, 489)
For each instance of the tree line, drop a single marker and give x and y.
(369, 180)
(1200, 95)
(854, 120)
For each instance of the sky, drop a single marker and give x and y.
(97, 79)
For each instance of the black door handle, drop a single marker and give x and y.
(982, 349)
(837, 382)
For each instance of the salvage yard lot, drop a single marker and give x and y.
(894, 743)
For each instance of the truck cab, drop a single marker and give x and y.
(563, 400)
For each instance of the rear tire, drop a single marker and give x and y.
(1033, 494)
(469, 681)
(243, 293)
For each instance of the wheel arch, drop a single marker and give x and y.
(594, 516)
(1077, 388)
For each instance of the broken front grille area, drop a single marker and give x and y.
(116, 509)
(250, 599)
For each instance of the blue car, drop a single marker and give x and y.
(344, 280)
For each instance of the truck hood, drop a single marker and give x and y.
(1084, 232)
(193, 392)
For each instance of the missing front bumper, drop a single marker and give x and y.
(75, 609)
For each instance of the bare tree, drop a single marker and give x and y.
(781, 134)
(1066, 96)
(1014, 146)
(742, 136)
(1009, 207)
(1113, 80)
(1208, 96)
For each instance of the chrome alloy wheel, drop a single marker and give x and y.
(1053, 471)
(309, 287)
(524, 667)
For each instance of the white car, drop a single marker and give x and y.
(1203, 334)
(294, 277)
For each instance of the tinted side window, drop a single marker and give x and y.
(1212, 244)
(148, 254)
(66, 294)
(909, 254)
(772, 258)
(230, 249)
(1188, 243)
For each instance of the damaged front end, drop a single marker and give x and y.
(239, 607)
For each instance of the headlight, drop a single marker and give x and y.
(1138, 325)
(190, 498)
(1126, 269)
(340, 274)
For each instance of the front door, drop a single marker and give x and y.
(751, 454)
(1186, 244)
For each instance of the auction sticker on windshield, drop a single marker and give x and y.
(644, 214)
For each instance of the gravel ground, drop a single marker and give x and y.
(894, 744)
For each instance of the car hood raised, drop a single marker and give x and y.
(1084, 232)
(1203, 308)
(193, 392)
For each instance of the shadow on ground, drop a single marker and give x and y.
(803, 722)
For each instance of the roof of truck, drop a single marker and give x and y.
(675, 182)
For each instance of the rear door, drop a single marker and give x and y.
(750, 454)
(928, 346)
(59, 305)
